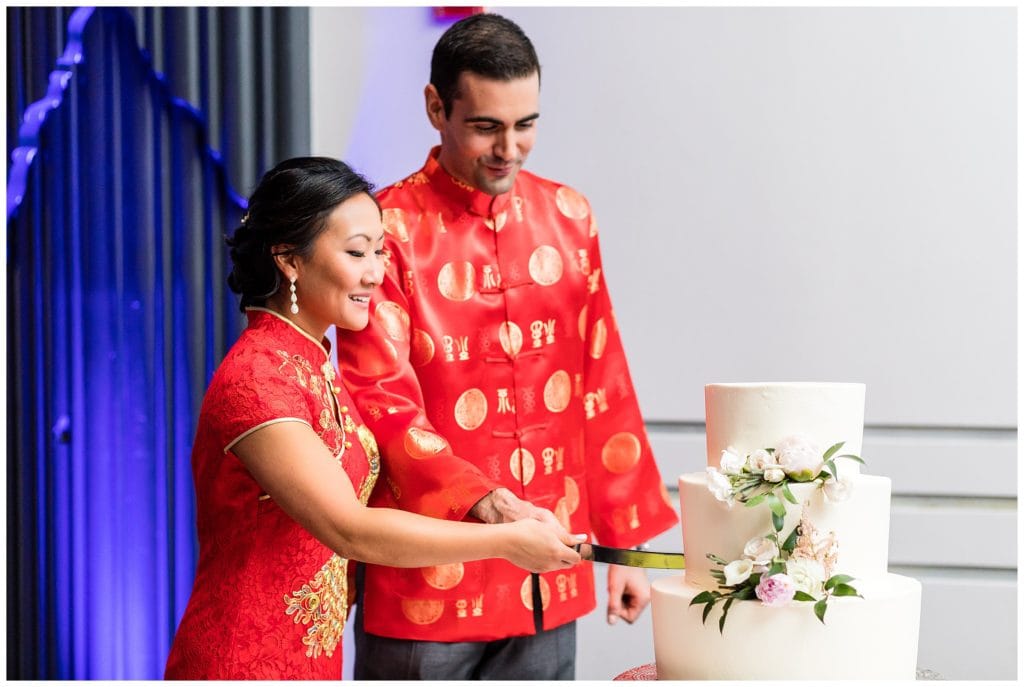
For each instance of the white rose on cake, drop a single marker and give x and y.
(774, 475)
(731, 462)
(808, 575)
(761, 550)
(799, 457)
(760, 460)
(719, 485)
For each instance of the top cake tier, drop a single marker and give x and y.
(745, 417)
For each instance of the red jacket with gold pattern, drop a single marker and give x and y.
(492, 358)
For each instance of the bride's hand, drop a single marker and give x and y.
(541, 546)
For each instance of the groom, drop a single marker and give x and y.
(493, 374)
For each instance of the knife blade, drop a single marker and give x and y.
(631, 557)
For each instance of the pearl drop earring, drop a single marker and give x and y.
(295, 300)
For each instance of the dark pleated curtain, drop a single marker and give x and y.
(126, 174)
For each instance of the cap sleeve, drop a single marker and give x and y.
(253, 391)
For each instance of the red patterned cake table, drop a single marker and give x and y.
(648, 671)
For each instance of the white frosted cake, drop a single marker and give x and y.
(786, 547)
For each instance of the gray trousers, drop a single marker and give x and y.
(547, 655)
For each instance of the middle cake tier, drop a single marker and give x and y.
(860, 525)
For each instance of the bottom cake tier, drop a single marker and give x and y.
(870, 638)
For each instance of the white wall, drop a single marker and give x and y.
(787, 194)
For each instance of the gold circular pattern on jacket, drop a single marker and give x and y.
(572, 494)
(422, 611)
(583, 323)
(522, 465)
(546, 265)
(557, 391)
(443, 576)
(598, 339)
(456, 281)
(511, 338)
(421, 443)
(526, 593)
(621, 452)
(571, 204)
(394, 320)
(394, 223)
(421, 349)
(471, 409)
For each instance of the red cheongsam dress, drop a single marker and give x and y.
(269, 601)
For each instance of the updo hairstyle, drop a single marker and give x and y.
(290, 205)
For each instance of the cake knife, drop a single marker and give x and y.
(632, 557)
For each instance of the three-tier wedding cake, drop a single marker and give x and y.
(786, 547)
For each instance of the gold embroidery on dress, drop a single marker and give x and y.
(316, 386)
(349, 425)
(369, 443)
(320, 387)
(303, 370)
(322, 604)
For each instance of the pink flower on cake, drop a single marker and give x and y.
(776, 590)
(799, 457)
(738, 572)
(761, 550)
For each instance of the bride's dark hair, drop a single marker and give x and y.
(290, 206)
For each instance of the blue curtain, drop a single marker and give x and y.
(118, 314)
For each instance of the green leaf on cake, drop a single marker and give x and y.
(775, 503)
(844, 590)
(725, 610)
(703, 598)
(744, 593)
(778, 521)
(819, 609)
(832, 450)
(830, 469)
(756, 500)
(790, 542)
(853, 457)
(788, 494)
(803, 596)
(837, 580)
(707, 611)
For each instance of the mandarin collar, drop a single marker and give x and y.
(473, 200)
(256, 315)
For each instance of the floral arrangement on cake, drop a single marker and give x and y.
(801, 568)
